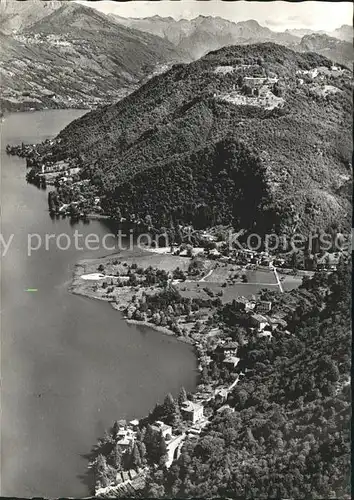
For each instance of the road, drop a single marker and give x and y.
(274, 269)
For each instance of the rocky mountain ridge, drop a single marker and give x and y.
(205, 33)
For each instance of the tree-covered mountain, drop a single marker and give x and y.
(193, 145)
(76, 56)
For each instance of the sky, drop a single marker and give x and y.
(276, 15)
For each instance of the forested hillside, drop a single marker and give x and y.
(289, 436)
(185, 146)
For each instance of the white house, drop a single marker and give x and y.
(193, 412)
(165, 430)
(258, 321)
(232, 360)
(265, 334)
(126, 437)
(263, 306)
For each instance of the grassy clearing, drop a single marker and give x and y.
(221, 273)
(257, 280)
(230, 292)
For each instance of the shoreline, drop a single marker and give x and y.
(8, 112)
(76, 289)
(161, 329)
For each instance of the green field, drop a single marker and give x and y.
(257, 280)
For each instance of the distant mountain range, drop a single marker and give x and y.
(345, 33)
(189, 146)
(205, 33)
(64, 54)
(335, 49)
(76, 57)
(16, 16)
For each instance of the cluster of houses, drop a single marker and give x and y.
(319, 72)
(227, 354)
(258, 85)
(328, 262)
(260, 318)
(247, 257)
(232, 256)
(63, 168)
(194, 418)
(224, 351)
(126, 481)
(257, 90)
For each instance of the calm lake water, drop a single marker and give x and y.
(70, 366)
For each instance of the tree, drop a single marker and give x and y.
(101, 471)
(136, 457)
(182, 396)
(117, 457)
(107, 437)
(161, 450)
(330, 369)
(156, 318)
(142, 451)
(241, 397)
(156, 449)
(149, 441)
(154, 488)
(115, 429)
(171, 410)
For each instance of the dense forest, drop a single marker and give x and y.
(175, 149)
(289, 436)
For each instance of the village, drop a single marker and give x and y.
(151, 290)
(266, 91)
(216, 351)
(213, 295)
(209, 399)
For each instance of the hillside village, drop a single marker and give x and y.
(192, 292)
(215, 352)
(223, 335)
(151, 291)
(267, 92)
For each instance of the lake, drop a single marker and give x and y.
(70, 366)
